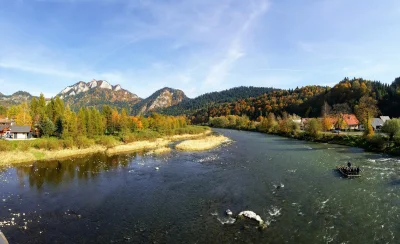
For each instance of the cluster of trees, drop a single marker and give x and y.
(53, 118)
(308, 101)
(284, 124)
(274, 101)
(190, 106)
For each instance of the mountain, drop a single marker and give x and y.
(160, 99)
(98, 93)
(189, 106)
(16, 98)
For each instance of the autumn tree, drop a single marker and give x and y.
(365, 111)
(23, 117)
(81, 123)
(69, 124)
(326, 123)
(391, 127)
(313, 127)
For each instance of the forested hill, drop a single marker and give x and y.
(190, 106)
(309, 101)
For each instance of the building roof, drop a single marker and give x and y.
(350, 119)
(3, 127)
(377, 122)
(385, 118)
(20, 129)
(3, 121)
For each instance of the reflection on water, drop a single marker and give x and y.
(57, 172)
(182, 197)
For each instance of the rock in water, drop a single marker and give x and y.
(252, 215)
(228, 212)
(157, 168)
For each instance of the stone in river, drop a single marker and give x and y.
(252, 215)
(228, 212)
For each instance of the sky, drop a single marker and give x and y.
(197, 46)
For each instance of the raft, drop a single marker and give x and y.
(345, 174)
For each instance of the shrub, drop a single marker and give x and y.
(83, 142)
(377, 142)
(190, 130)
(313, 127)
(54, 144)
(5, 146)
(24, 145)
(140, 135)
(40, 143)
(107, 141)
(68, 143)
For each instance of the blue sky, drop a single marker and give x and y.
(195, 45)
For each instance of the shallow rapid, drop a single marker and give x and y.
(182, 197)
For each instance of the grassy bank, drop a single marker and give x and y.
(201, 144)
(52, 148)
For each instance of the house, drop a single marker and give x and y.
(377, 124)
(3, 130)
(384, 118)
(351, 121)
(19, 132)
(6, 122)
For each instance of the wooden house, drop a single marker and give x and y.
(18, 132)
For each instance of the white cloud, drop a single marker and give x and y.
(236, 48)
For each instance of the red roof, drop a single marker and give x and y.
(350, 119)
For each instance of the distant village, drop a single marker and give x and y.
(347, 122)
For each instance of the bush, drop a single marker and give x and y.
(40, 143)
(377, 142)
(54, 144)
(313, 127)
(5, 146)
(107, 141)
(68, 143)
(397, 138)
(190, 130)
(83, 142)
(140, 136)
(24, 145)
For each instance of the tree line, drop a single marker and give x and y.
(54, 118)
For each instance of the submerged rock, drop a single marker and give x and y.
(228, 212)
(251, 215)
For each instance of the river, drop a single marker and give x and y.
(181, 197)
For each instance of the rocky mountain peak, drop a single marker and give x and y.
(81, 87)
(162, 98)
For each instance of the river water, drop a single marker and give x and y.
(181, 197)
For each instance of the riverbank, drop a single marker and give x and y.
(377, 143)
(202, 144)
(25, 153)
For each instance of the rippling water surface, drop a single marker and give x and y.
(290, 184)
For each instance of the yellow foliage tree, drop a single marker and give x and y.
(23, 116)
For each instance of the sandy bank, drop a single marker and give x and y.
(206, 143)
(157, 146)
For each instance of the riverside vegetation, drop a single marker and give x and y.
(62, 133)
(315, 130)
